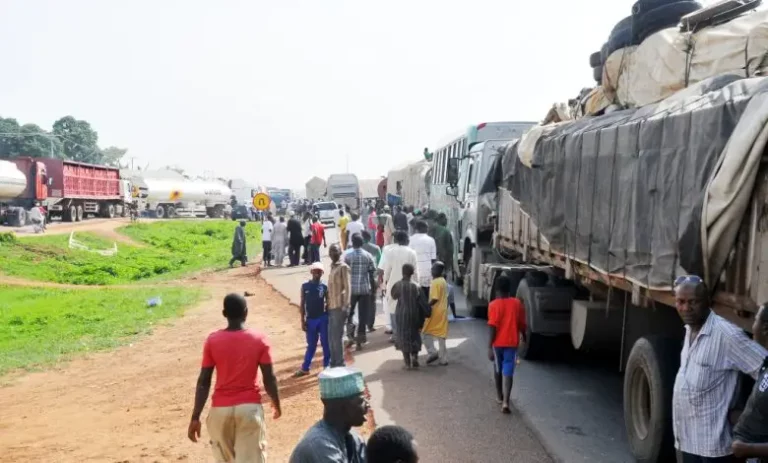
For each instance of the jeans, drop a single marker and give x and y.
(314, 253)
(336, 320)
(362, 301)
(294, 250)
(429, 343)
(317, 328)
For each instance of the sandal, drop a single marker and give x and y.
(300, 374)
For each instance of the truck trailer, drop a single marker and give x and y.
(66, 189)
(344, 189)
(169, 198)
(595, 220)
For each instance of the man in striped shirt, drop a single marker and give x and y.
(362, 276)
(714, 352)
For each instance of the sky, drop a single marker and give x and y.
(278, 92)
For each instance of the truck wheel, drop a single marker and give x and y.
(648, 381)
(70, 214)
(531, 349)
(160, 212)
(111, 211)
(80, 213)
(171, 212)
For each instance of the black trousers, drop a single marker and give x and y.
(372, 312)
(425, 291)
(267, 247)
(294, 250)
(363, 303)
(305, 254)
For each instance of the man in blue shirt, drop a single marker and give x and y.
(314, 317)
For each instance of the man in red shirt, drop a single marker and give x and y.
(506, 319)
(236, 419)
(318, 238)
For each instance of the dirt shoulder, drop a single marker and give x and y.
(133, 404)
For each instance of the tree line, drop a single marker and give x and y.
(69, 138)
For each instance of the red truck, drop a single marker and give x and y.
(67, 189)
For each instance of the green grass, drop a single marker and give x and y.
(173, 249)
(40, 326)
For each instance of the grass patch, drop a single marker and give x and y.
(39, 326)
(173, 248)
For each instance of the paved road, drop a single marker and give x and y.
(571, 408)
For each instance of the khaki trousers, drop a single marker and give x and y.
(238, 434)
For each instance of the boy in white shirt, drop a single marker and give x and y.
(266, 239)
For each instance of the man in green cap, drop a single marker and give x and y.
(342, 391)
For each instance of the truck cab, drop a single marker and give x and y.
(475, 219)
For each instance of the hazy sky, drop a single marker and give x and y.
(276, 92)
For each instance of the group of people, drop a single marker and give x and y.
(236, 423)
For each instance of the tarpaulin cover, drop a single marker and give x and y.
(626, 192)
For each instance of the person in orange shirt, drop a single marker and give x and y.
(506, 320)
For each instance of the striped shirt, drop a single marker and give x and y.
(706, 385)
(338, 286)
(362, 270)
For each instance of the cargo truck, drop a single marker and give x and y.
(66, 189)
(594, 221)
(344, 189)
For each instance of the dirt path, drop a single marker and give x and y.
(133, 404)
(102, 227)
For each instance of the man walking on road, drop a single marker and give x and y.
(375, 251)
(236, 419)
(436, 326)
(391, 265)
(362, 275)
(714, 352)
(295, 240)
(266, 239)
(343, 221)
(239, 248)
(279, 239)
(506, 320)
(443, 242)
(400, 219)
(306, 227)
(318, 238)
(386, 228)
(426, 255)
(339, 294)
(354, 226)
(314, 318)
(331, 440)
(412, 310)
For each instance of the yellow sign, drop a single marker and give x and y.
(175, 195)
(261, 201)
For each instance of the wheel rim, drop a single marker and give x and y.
(640, 405)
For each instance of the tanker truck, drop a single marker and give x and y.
(169, 198)
(594, 219)
(66, 189)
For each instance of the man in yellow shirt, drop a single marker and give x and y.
(343, 221)
(436, 326)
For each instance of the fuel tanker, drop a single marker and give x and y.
(168, 198)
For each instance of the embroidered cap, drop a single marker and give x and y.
(316, 266)
(340, 383)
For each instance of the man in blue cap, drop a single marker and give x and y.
(342, 391)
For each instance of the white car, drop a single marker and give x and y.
(328, 211)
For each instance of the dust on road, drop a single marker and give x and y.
(133, 404)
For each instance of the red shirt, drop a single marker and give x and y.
(508, 317)
(236, 356)
(318, 231)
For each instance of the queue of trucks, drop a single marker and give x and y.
(72, 191)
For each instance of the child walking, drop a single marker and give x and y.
(436, 326)
(314, 318)
(506, 320)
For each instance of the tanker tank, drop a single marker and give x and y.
(13, 182)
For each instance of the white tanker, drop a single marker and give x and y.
(13, 182)
(172, 198)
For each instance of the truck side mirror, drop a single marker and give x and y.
(452, 172)
(50, 181)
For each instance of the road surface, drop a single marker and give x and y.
(569, 409)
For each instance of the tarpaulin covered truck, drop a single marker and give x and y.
(595, 220)
(67, 189)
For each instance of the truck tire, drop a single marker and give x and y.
(596, 59)
(597, 74)
(111, 211)
(533, 348)
(80, 213)
(160, 211)
(70, 214)
(662, 17)
(648, 381)
(171, 212)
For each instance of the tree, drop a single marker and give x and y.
(79, 140)
(27, 140)
(112, 155)
(9, 139)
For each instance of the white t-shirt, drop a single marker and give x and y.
(352, 228)
(426, 252)
(266, 231)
